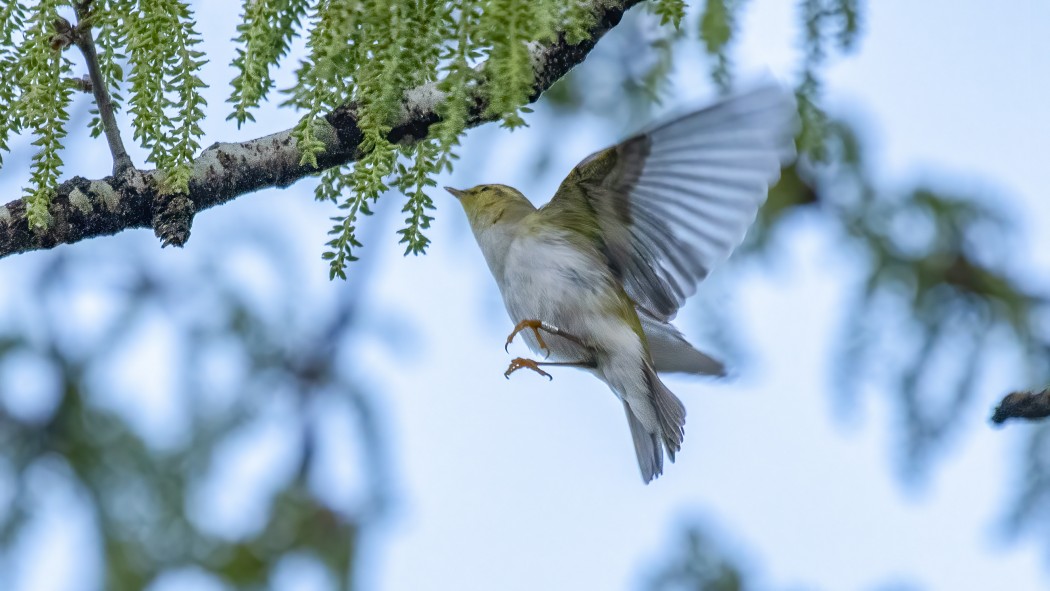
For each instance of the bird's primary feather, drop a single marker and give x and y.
(673, 202)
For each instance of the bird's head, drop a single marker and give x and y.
(488, 205)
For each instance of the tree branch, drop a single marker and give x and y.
(82, 84)
(85, 208)
(1023, 405)
(86, 44)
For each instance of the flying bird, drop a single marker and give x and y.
(593, 278)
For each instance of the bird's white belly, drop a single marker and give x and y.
(550, 281)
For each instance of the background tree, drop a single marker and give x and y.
(385, 91)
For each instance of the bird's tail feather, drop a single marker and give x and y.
(670, 413)
(646, 447)
(669, 431)
(672, 353)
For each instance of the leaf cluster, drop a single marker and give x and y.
(368, 53)
(153, 39)
(35, 96)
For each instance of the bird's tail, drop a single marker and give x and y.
(658, 425)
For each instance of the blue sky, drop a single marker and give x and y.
(525, 484)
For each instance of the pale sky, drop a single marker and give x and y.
(528, 484)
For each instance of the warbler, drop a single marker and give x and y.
(594, 277)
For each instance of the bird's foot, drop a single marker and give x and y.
(537, 326)
(520, 362)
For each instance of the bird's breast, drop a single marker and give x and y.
(549, 279)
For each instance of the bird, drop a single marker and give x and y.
(593, 278)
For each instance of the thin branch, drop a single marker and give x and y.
(85, 208)
(86, 44)
(1023, 405)
(82, 84)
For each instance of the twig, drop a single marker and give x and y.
(82, 84)
(86, 44)
(1023, 405)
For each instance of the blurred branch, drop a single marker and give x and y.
(85, 208)
(1023, 405)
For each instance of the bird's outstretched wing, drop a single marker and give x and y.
(674, 201)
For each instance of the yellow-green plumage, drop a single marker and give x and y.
(625, 239)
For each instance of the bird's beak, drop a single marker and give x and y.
(455, 192)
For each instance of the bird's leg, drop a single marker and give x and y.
(537, 326)
(520, 362)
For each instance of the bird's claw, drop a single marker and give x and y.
(535, 325)
(520, 362)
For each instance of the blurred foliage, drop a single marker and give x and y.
(696, 563)
(824, 22)
(938, 287)
(1029, 513)
(147, 492)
